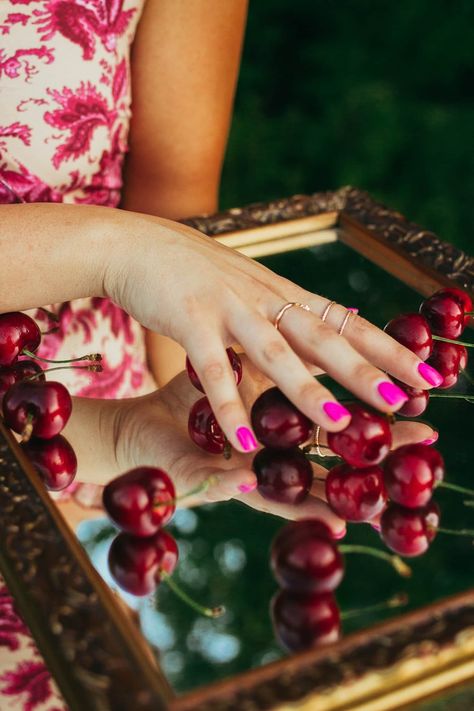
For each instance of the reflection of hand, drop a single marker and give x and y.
(152, 430)
(206, 297)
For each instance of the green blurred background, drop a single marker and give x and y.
(370, 93)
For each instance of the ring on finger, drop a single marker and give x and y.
(345, 322)
(285, 308)
(327, 310)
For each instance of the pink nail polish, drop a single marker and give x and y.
(391, 393)
(430, 374)
(335, 411)
(246, 439)
(376, 526)
(431, 440)
(245, 488)
(339, 534)
(354, 309)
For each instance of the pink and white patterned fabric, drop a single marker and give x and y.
(64, 118)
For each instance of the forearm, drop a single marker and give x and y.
(51, 253)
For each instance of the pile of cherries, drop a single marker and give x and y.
(36, 409)
(141, 502)
(203, 427)
(431, 334)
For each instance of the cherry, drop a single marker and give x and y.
(444, 314)
(463, 357)
(137, 564)
(447, 358)
(278, 423)
(140, 501)
(303, 621)
(356, 494)
(417, 402)
(305, 559)
(37, 407)
(283, 475)
(463, 299)
(411, 472)
(17, 332)
(413, 332)
(235, 362)
(22, 369)
(366, 439)
(409, 532)
(54, 459)
(204, 429)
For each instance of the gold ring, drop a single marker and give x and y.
(344, 323)
(284, 309)
(316, 442)
(327, 310)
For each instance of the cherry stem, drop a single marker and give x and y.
(452, 532)
(455, 487)
(450, 340)
(28, 428)
(203, 486)
(93, 368)
(90, 356)
(454, 396)
(394, 560)
(206, 611)
(398, 600)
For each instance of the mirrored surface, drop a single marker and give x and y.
(224, 547)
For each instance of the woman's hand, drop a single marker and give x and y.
(207, 297)
(111, 437)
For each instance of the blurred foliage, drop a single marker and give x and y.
(370, 93)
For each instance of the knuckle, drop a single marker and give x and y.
(273, 350)
(365, 372)
(213, 370)
(226, 409)
(309, 392)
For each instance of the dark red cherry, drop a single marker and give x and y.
(17, 332)
(356, 494)
(11, 374)
(417, 402)
(302, 621)
(137, 564)
(463, 299)
(447, 358)
(54, 459)
(413, 332)
(46, 405)
(444, 314)
(278, 423)
(283, 475)
(366, 439)
(304, 557)
(409, 532)
(140, 501)
(234, 360)
(411, 472)
(204, 429)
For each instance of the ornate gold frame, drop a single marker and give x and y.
(91, 646)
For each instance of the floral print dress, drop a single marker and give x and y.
(64, 117)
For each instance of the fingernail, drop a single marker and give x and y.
(246, 439)
(391, 393)
(430, 374)
(376, 526)
(335, 411)
(431, 440)
(245, 488)
(354, 309)
(339, 534)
